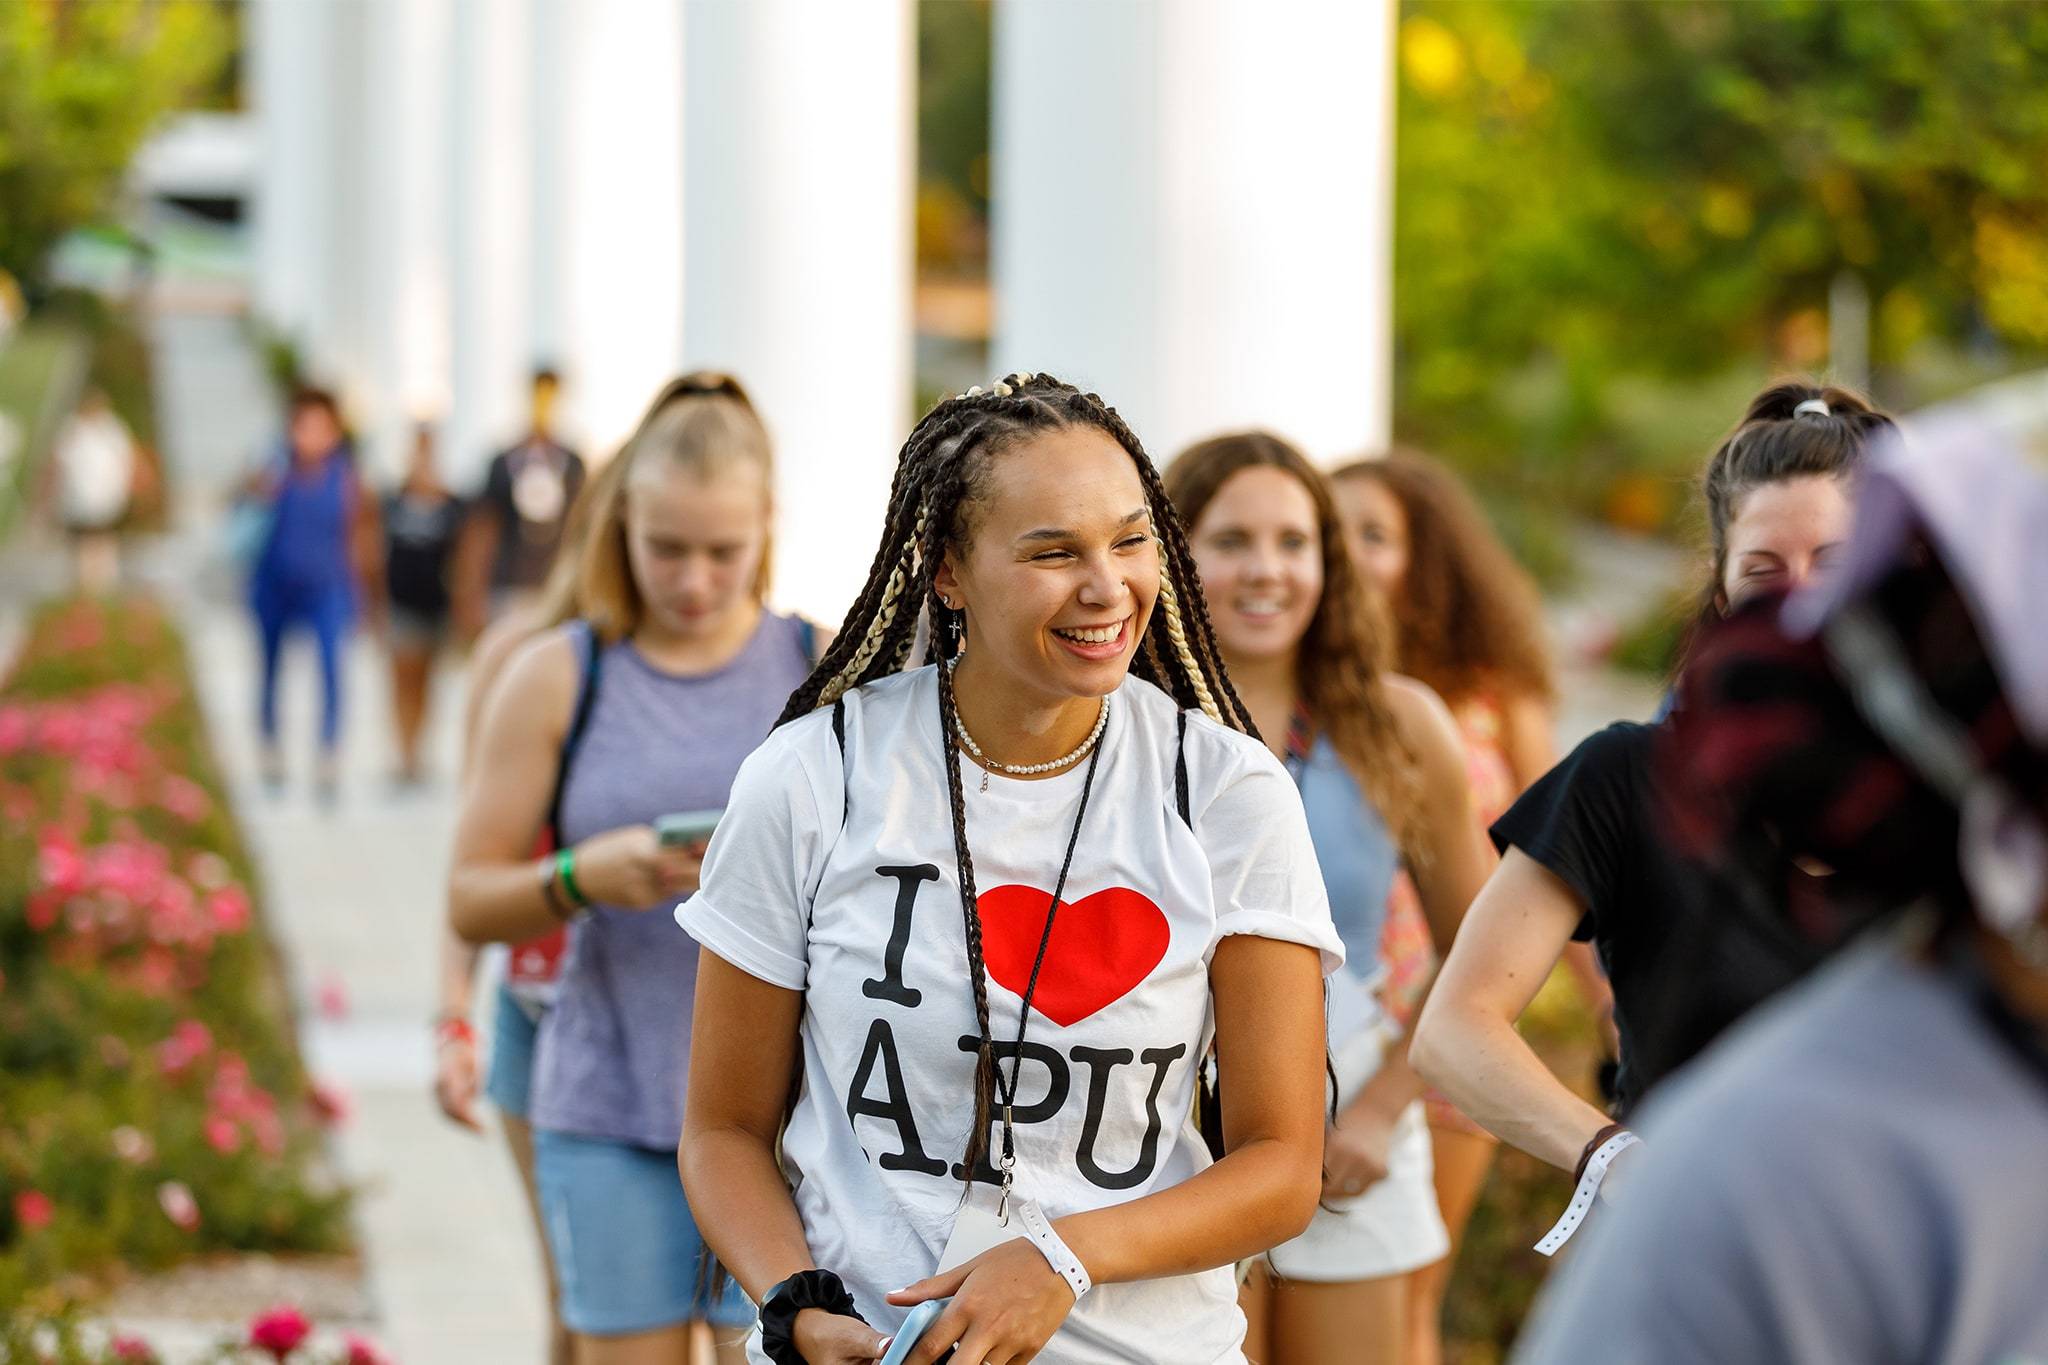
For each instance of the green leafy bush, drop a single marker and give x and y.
(152, 1102)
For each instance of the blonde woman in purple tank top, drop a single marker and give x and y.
(644, 706)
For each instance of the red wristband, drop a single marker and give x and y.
(453, 1028)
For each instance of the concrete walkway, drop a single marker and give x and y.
(354, 897)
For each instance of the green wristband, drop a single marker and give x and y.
(565, 870)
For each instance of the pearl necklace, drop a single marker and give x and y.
(1027, 769)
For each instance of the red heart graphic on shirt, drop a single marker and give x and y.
(1102, 946)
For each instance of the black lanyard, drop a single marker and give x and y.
(1008, 1089)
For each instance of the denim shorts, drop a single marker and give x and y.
(626, 1250)
(510, 1083)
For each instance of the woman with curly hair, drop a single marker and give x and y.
(1468, 622)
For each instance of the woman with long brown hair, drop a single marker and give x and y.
(1468, 622)
(1382, 778)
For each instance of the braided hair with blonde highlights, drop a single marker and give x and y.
(941, 472)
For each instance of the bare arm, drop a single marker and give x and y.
(1529, 737)
(456, 1072)
(494, 886)
(493, 652)
(1453, 863)
(495, 891)
(1465, 1042)
(1529, 734)
(469, 570)
(743, 1058)
(366, 551)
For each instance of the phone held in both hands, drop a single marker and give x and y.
(686, 829)
(914, 1326)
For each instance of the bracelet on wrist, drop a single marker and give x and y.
(565, 872)
(819, 1289)
(552, 893)
(1609, 1143)
(1593, 1145)
(454, 1028)
(1039, 1231)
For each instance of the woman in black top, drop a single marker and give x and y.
(1583, 854)
(421, 519)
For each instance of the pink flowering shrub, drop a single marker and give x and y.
(279, 1331)
(152, 1101)
(277, 1336)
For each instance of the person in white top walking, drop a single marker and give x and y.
(969, 931)
(95, 481)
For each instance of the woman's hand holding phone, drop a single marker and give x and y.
(629, 869)
(1006, 1304)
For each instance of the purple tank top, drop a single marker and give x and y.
(614, 1050)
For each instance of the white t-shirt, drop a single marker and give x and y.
(96, 465)
(864, 917)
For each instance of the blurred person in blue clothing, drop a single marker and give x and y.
(316, 549)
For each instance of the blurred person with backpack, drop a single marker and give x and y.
(641, 706)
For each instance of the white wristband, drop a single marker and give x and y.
(1039, 1229)
(1589, 1189)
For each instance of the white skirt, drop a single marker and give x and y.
(1395, 1226)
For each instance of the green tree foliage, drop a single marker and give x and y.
(953, 52)
(82, 82)
(1603, 207)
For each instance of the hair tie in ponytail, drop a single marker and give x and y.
(1817, 406)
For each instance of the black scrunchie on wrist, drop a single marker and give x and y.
(805, 1289)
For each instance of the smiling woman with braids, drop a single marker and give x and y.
(983, 918)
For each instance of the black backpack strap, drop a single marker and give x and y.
(585, 640)
(839, 734)
(1180, 768)
(1208, 1089)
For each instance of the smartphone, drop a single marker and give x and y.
(921, 1317)
(683, 830)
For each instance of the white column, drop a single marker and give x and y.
(1192, 212)
(341, 354)
(799, 248)
(488, 189)
(404, 223)
(546, 112)
(292, 88)
(619, 234)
